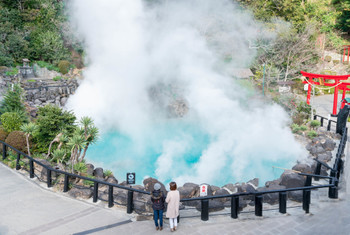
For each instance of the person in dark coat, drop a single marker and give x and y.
(158, 199)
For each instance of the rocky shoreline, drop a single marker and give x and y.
(321, 147)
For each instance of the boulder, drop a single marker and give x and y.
(295, 195)
(273, 182)
(241, 204)
(232, 188)
(291, 179)
(39, 170)
(121, 198)
(149, 184)
(80, 192)
(303, 168)
(90, 169)
(98, 173)
(325, 157)
(254, 182)
(220, 192)
(271, 198)
(189, 190)
(214, 205)
(329, 145)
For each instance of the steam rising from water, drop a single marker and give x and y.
(136, 45)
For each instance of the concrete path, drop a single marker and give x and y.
(26, 207)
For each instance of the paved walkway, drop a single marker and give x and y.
(29, 208)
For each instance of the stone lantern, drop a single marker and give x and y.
(26, 70)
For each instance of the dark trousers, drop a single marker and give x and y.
(158, 214)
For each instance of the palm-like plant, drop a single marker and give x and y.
(90, 133)
(59, 155)
(29, 129)
(76, 143)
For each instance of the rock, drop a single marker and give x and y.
(220, 192)
(90, 169)
(291, 179)
(40, 171)
(149, 184)
(214, 188)
(111, 179)
(254, 182)
(80, 192)
(273, 182)
(295, 195)
(64, 101)
(189, 190)
(303, 168)
(232, 188)
(271, 198)
(139, 207)
(325, 157)
(121, 198)
(214, 205)
(323, 169)
(241, 204)
(98, 173)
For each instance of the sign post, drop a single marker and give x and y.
(203, 190)
(130, 178)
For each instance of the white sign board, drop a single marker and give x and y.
(283, 89)
(306, 87)
(203, 190)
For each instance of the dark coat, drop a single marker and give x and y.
(158, 199)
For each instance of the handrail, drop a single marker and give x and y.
(323, 118)
(333, 185)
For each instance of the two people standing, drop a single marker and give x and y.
(173, 200)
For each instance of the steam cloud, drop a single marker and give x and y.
(135, 45)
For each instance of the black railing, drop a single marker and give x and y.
(332, 186)
(322, 121)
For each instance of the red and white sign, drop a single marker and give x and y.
(204, 190)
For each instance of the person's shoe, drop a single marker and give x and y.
(175, 228)
(157, 228)
(161, 228)
(172, 230)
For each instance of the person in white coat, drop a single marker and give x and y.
(173, 200)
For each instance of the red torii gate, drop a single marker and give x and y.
(337, 84)
(346, 47)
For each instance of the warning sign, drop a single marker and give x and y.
(203, 190)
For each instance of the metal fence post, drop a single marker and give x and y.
(306, 200)
(48, 177)
(66, 183)
(283, 202)
(18, 166)
(321, 121)
(315, 117)
(110, 196)
(4, 151)
(31, 168)
(130, 205)
(318, 171)
(234, 207)
(95, 192)
(329, 125)
(308, 180)
(258, 205)
(205, 210)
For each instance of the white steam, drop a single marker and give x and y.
(135, 45)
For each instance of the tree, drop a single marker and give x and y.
(51, 121)
(13, 100)
(343, 22)
(29, 129)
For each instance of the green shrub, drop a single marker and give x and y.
(13, 100)
(108, 173)
(31, 80)
(57, 78)
(3, 134)
(80, 167)
(314, 124)
(17, 140)
(295, 128)
(312, 134)
(49, 66)
(52, 120)
(12, 72)
(303, 128)
(11, 121)
(88, 182)
(328, 58)
(63, 66)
